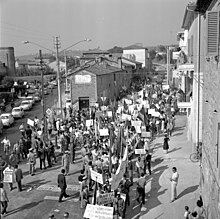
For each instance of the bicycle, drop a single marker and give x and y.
(196, 156)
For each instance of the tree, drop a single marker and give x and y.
(161, 48)
(152, 54)
(116, 49)
(159, 57)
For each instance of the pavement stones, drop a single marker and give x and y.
(158, 187)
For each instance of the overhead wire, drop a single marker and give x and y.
(21, 28)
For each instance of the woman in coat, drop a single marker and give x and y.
(165, 144)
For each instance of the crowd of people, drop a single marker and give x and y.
(114, 142)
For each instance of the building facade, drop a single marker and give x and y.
(202, 23)
(97, 83)
(7, 57)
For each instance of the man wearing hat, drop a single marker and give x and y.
(32, 161)
(119, 206)
(66, 161)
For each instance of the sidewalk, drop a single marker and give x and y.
(158, 194)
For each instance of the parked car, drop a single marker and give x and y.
(7, 119)
(31, 99)
(18, 112)
(53, 82)
(37, 97)
(26, 105)
(1, 126)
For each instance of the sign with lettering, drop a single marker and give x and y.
(109, 113)
(136, 123)
(140, 151)
(8, 176)
(82, 79)
(98, 212)
(106, 198)
(103, 132)
(126, 117)
(89, 122)
(96, 176)
(146, 134)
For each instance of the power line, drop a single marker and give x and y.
(24, 36)
(26, 29)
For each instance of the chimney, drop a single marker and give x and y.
(120, 62)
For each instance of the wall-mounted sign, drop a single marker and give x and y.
(82, 79)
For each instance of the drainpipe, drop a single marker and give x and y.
(198, 78)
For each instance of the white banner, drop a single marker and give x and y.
(126, 117)
(96, 176)
(135, 123)
(89, 122)
(98, 212)
(30, 122)
(103, 132)
(140, 151)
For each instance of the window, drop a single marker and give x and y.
(213, 33)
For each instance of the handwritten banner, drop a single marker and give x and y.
(98, 212)
(106, 198)
(96, 176)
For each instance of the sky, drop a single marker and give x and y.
(107, 23)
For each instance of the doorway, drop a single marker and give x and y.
(83, 103)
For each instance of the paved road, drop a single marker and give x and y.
(13, 133)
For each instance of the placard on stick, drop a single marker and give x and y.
(140, 151)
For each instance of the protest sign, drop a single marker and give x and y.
(126, 117)
(140, 151)
(98, 212)
(165, 87)
(103, 108)
(146, 134)
(106, 198)
(151, 111)
(138, 129)
(128, 102)
(146, 106)
(96, 176)
(123, 196)
(156, 114)
(109, 113)
(8, 176)
(30, 122)
(89, 122)
(103, 132)
(136, 123)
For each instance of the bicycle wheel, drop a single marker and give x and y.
(194, 157)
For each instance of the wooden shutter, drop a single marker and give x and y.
(213, 33)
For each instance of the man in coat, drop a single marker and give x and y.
(18, 177)
(61, 180)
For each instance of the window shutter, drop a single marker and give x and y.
(213, 32)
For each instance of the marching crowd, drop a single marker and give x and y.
(113, 154)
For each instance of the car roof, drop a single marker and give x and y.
(6, 114)
(25, 101)
(18, 107)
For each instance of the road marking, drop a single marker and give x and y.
(56, 198)
(55, 188)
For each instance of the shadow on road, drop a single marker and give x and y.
(188, 190)
(155, 191)
(24, 207)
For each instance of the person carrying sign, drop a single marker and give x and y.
(9, 176)
(32, 161)
(119, 206)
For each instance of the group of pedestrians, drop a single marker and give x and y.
(103, 153)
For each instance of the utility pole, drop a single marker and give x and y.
(57, 46)
(168, 64)
(43, 99)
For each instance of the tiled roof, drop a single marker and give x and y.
(101, 69)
